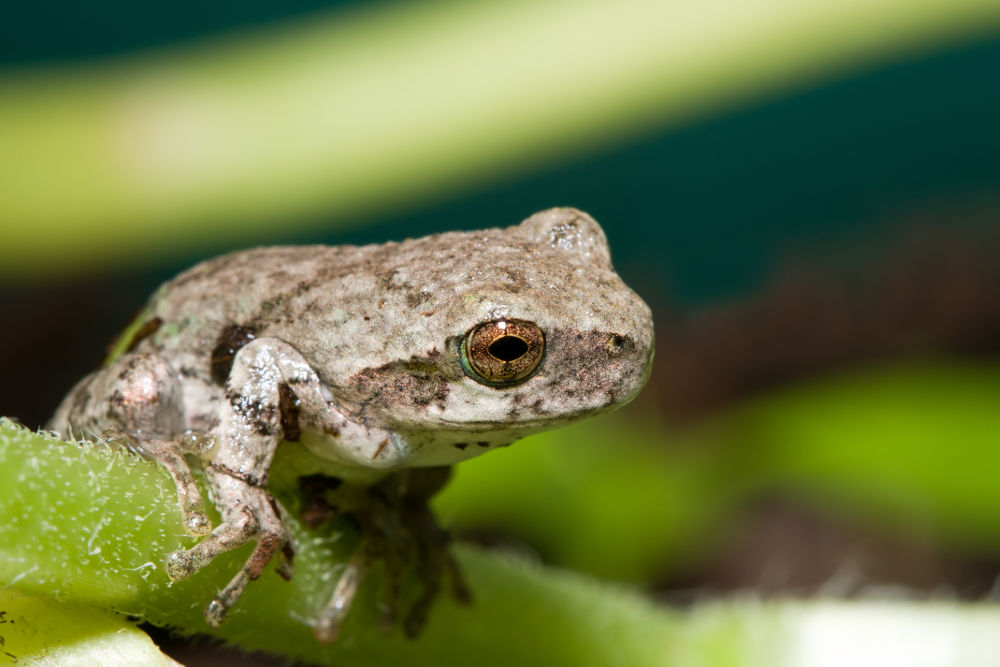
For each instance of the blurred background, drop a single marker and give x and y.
(807, 197)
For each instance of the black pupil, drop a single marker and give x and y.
(508, 348)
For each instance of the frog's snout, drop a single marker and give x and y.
(605, 368)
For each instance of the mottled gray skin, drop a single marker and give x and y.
(355, 352)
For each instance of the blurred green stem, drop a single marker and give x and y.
(366, 110)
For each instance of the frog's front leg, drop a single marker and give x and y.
(268, 379)
(248, 512)
(398, 527)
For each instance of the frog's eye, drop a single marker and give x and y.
(503, 352)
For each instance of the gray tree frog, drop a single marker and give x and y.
(390, 362)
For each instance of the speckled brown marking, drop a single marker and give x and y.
(263, 426)
(258, 414)
(515, 280)
(230, 341)
(287, 304)
(148, 328)
(604, 355)
(421, 380)
(289, 407)
(242, 476)
(415, 298)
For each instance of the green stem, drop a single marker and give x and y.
(367, 110)
(92, 526)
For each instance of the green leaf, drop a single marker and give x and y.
(37, 630)
(909, 450)
(92, 525)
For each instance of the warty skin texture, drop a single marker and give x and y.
(363, 354)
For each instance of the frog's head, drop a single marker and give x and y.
(531, 329)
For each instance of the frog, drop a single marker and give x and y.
(388, 362)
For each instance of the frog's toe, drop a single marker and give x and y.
(327, 625)
(180, 565)
(327, 629)
(197, 524)
(218, 608)
(460, 592)
(215, 613)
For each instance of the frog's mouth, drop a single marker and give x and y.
(542, 422)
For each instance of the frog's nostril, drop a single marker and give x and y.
(508, 348)
(615, 344)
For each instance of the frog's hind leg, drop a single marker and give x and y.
(135, 402)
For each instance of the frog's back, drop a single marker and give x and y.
(251, 289)
(269, 290)
(252, 285)
(282, 291)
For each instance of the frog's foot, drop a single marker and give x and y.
(249, 512)
(170, 456)
(434, 561)
(397, 527)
